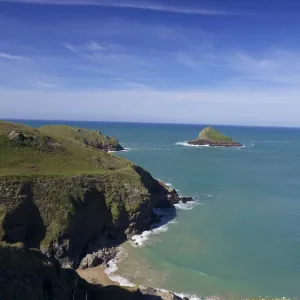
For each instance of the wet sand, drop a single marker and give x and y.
(96, 275)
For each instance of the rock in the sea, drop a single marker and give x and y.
(211, 137)
(186, 199)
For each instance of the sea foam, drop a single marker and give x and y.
(186, 206)
(125, 150)
(112, 268)
(185, 143)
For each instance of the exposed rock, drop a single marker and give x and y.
(211, 137)
(19, 136)
(185, 199)
(92, 138)
(152, 293)
(101, 257)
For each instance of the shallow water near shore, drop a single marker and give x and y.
(243, 239)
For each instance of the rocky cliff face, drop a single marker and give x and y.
(67, 218)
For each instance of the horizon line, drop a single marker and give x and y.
(152, 123)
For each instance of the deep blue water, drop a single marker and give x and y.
(244, 240)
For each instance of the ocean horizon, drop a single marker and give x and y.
(241, 238)
(62, 121)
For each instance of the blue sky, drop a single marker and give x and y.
(216, 61)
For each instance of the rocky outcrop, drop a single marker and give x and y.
(211, 137)
(100, 257)
(92, 138)
(151, 293)
(44, 143)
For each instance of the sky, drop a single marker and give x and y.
(174, 61)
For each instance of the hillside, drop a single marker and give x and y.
(69, 199)
(211, 137)
(212, 134)
(92, 138)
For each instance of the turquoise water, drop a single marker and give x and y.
(244, 237)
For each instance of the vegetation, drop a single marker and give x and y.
(93, 138)
(210, 134)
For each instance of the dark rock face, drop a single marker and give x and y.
(24, 223)
(214, 143)
(101, 257)
(44, 143)
(111, 144)
(186, 199)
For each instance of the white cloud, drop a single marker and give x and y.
(95, 46)
(129, 4)
(70, 47)
(46, 84)
(10, 56)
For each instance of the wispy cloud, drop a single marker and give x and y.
(95, 46)
(130, 4)
(70, 47)
(10, 56)
(47, 85)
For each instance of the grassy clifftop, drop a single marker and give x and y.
(93, 138)
(28, 151)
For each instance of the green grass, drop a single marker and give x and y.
(71, 158)
(90, 137)
(211, 134)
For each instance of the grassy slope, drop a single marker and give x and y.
(211, 134)
(74, 158)
(79, 134)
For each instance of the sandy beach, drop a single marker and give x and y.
(96, 275)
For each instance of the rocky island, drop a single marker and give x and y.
(211, 137)
(93, 138)
(64, 204)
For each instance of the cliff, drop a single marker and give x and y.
(67, 198)
(93, 138)
(210, 136)
(61, 200)
(29, 275)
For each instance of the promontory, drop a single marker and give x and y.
(93, 138)
(64, 201)
(211, 137)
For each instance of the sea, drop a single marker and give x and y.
(241, 236)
